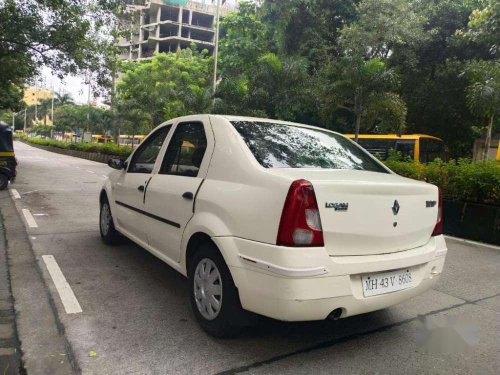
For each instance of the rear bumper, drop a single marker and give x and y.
(307, 284)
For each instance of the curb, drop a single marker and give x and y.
(93, 156)
(482, 244)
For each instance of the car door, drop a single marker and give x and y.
(171, 192)
(130, 187)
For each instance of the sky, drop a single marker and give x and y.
(73, 85)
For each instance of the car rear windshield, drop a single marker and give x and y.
(287, 146)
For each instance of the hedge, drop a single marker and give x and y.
(102, 148)
(463, 179)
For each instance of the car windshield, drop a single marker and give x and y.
(288, 146)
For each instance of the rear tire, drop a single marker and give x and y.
(109, 234)
(4, 181)
(213, 295)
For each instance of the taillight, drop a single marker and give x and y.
(300, 223)
(438, 229)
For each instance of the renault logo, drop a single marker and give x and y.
(395, 207)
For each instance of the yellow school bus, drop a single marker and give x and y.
(128, 140)
(420, 147)
(99, 138)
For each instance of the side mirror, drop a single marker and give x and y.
(117, 163)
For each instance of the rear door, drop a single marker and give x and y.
(171, 192)
(130, 186)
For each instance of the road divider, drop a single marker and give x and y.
(68, 298)
(29, 218)
(15, 194)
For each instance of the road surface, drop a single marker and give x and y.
(135, 317)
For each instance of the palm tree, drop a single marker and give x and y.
(483, 94)
(44, 109)
(64, 98)
(365, 89)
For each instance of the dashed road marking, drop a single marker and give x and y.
(105, 176)
(15, 194)
(68, 298)
(29, 218)
(89, 171)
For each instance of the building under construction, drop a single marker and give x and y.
(168, 25)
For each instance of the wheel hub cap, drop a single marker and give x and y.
(105, 218)
(208, 289)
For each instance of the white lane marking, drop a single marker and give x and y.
(29, 192)
(40, 214)
(90, 171)
(29, 218)
(105, 176)
(66, 294)
(15, 194)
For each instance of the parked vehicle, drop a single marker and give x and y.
(8, 160)
(419, 147)
(280, 219)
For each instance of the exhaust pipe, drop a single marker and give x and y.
(335, 314)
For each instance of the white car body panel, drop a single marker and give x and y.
(238, 204)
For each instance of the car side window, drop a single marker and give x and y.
(144, 158)
(185, 151)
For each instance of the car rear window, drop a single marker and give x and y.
(287, 146)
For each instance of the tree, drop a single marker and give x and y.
(64, 35)
(382, 26)
(44, 110)
(306, 28)
(483, 94)
(169, 85)
(484, 27)
(242, 39)
(65, 98)
(364, 88)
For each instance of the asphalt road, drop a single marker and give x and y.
(136, 317)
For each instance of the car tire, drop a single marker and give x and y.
(4, 181)
(109, 234)
(230, 319)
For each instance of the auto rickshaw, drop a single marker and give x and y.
(8, 161)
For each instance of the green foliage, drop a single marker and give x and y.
(70, 117)
(64, 35)
(364, 88)
(169, 85)
(460, 179)
(382, 26)
(483, 93)
(242, 39)
(102, 148)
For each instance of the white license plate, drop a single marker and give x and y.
(387, 282)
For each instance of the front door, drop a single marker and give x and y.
(131, 185)
(171, 192)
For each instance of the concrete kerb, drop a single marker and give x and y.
(93, 156)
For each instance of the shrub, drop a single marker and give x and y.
(461, 179)
(101, 148)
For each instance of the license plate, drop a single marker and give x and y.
(386, 282)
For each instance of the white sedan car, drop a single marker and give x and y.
(285, 220)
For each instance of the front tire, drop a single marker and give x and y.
(213, 295)
(4, 181)
(109, 234)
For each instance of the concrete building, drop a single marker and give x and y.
(34, 95)
(167, 25)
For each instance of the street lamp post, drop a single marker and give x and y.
(216, 51)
